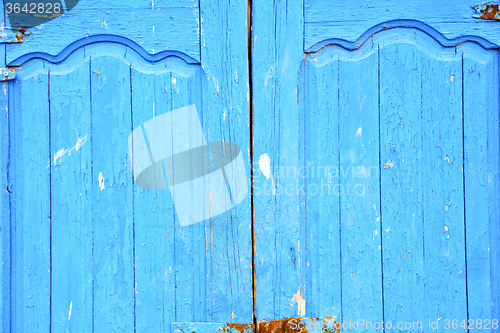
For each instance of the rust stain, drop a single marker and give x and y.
(239, 327)
(295, 325)
(488, 11)
(20, 34)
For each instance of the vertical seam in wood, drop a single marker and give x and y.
(92, 188)
(339, 183)
(133, 201)
(50, 205)
(252, 207)
(380, 187)
(464, 201)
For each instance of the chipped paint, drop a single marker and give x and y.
(487, 11)
(101, 181)
(265, 165)
(70, 308)
(301, 303)
(300, 325)
(63, 153)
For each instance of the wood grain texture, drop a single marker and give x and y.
(481, 180)
(226, 117)
(71, 196)
(349, 19)
(6, 218)
(443, 189)
(406, 242)
(360, 206)
(112, 211)
(320, 146)
(30, 201)
(279, 228)
(136, 270)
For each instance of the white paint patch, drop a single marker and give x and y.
(70, 308)
(389, 164)
(224, 114)
(2, 33)
(358, 133)
(101, 181)
(233, 315)
(63, 153)
(301, 303)
(265, 165)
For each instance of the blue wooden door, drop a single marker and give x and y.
(376, 166)
(95, 239)
(340, 174)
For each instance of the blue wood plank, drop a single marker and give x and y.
(71, 195)
(494, 183)
(5, 226)
(400, 70)
(320, 136)
(360, 187)
(112, 193)
(443, 189)
(480, 112)
(328, 19)
(30, 199)
(225, 116)
(159, 29)
(189, 243)
(279, 230)
(154, 221)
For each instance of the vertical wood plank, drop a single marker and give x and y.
(443, 189)
(481, 179)
(493, 83)
(154, 221)
(30, 199)
(401, 182)
(5, 226)
(360, 188)
(319, 175)
(226, 117)
(112, 193)
(71, 193)
(277, 53)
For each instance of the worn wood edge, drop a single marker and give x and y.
(394, 24)
(65, 53)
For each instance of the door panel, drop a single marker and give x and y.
(30, 234)
(385, 173)
(94, 251)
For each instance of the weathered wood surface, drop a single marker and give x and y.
(375, 168)
(92, 251)
(394, 115)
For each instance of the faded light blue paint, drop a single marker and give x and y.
(375, 168)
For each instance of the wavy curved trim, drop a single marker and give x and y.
(99, 39)
(439, 37)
